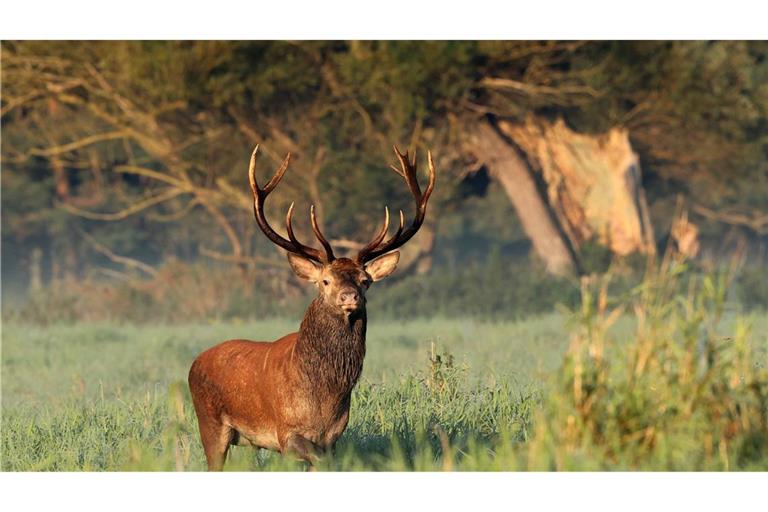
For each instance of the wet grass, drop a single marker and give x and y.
(657, 379)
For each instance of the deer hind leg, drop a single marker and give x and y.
(214, 434)
(216, 438)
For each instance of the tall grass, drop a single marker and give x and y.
(106, 397)
(661, 377)
(679, 394)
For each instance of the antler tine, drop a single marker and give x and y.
(376, 239)
(260, 196)
(289, 229)
(431, 182)
(408, 173)
(272, 183)
(319, 235)
(399, 229)
(252, 172)
(289, 223)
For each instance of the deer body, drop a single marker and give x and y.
(293, 395)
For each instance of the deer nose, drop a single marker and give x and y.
(349, 297)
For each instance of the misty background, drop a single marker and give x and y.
(125, 194)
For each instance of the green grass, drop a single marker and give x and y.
(662, 379)
(107, 397)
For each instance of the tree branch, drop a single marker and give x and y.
(122, 214)
(85, 141)
(13, 103)
(122, 260)
(537, 90)
(757, 222)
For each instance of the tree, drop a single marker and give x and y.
(155, 136)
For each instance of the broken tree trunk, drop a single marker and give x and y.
(592, 183)
(509, 167)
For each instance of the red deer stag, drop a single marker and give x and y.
(292, 395)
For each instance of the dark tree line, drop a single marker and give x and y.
(134, 153)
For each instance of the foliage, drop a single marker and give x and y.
(155, 135)
(186, 293)
(493, 289)
(662, 379)
(677, 395)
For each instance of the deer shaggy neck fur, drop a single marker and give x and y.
(331, 347)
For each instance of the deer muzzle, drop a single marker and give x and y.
(349, 300)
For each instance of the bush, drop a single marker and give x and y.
(678, 396)
(493, 289)
(178, 293)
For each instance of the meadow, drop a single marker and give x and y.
(645, 382)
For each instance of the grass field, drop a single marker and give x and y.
(591, 390)
(90, 396)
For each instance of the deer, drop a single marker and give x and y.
(292, 395)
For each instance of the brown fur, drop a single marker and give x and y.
(291, 395)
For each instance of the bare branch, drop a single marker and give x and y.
(174, 216)
(346, 243)
(13, 103)
(757, 222)
(122, 260)
(234, 241)
(538, 90)
(122, 214)
(120, 276)
(150, 173)
(85, 141)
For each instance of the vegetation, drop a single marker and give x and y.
(679, 385)
(196, 292)
(120, 158)
(129, 246)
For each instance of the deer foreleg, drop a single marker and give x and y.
(303, 448)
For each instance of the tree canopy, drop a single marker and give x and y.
(143, 146)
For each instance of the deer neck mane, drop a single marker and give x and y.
(331, 347)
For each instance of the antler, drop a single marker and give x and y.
(407, 171)
(291, 244)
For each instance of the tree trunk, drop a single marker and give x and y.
(509, 167)
(36, 270)
(592, 183)
(68, 253)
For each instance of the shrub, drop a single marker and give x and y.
(679, 395)
(492, 289)
(178, 293)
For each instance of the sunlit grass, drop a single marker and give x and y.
(108, 397)
(663, 377)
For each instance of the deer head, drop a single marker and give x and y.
(342, 282)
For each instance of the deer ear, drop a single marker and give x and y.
(383, 266)
(304, 268)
